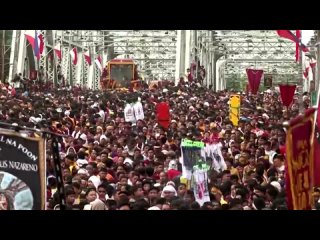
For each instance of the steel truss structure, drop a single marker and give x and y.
(243, 49)
(160, 54)
(153, 51)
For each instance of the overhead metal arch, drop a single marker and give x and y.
(164, 54)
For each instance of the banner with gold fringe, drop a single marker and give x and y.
(299, 161)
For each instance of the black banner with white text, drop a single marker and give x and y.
(22, 172)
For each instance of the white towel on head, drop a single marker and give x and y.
(169, 188)
(95, 180)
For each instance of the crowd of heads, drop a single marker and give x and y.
(110, 164)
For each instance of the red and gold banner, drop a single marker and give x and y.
(317, 146)
(299, 161)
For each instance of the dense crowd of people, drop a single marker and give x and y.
(111, 164)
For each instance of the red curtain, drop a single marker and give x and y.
(254, 78)
(287, 93)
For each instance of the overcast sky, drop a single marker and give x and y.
(306, 35)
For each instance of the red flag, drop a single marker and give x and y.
(287, 34)
(254, 78)
(87, 57)
(41, 43)
(163, 114)
(57, 50)
(299, 161)
(298, 34)
(74, 55)
(287, 93)
(98, 61)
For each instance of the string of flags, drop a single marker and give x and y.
(36, 40)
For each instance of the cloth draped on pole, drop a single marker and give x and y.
(287, 92)
(163, 114)
(254, 79)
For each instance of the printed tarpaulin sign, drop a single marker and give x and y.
(129, 113)
(22, 172)
(138, 111)
(192, 154)
(189, 143)
(200, 186)
(213, 151)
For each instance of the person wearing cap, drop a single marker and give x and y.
(168, 192)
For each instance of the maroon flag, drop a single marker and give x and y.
(299, 161)
(87, 57)
(57, 50)
(287, 93)
(254, 79)
(41, 47)
(74, 55)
